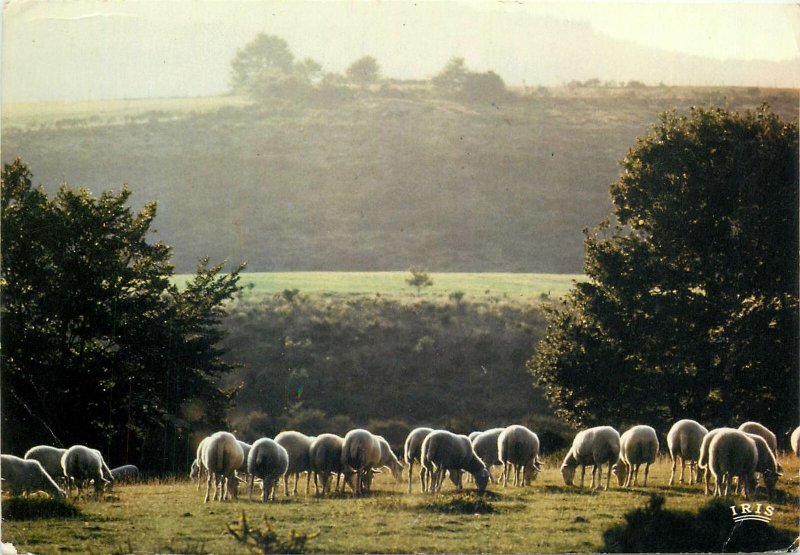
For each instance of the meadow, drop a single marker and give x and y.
(169, 516)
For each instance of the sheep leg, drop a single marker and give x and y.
(672, 476)
(506, 470)
(608, 475)
(705, 482)
(308, 482)
(728, 479)
(646, 473)
(583, 474)
(250, 483)
(296, 479)
(208, 487)
(594, 471)
(692, 473)
(286, 485)
(683, 466)
(410, 474)
(423, 484)
(636, 475)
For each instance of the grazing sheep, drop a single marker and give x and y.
(767, 465)
(24, 476)
(443, 450)
(243, 467)
(732, 453)
(222, 455)
(106, 472)
(684, 440)
(388, 459)
(795, 441)
(325, 455)
(763, 431)
(82, 464)
(126, 474)
(517, 446)
(412, 451)
(50, 459)
(268, 461)
(485, 446)
(595, 447)
(702, 461)
(638, 446)
(198, 469)
(297, 445)
(361, 452)
(473, 435)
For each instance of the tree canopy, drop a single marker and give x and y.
(691, 305)
(99, 346)
(364, 71)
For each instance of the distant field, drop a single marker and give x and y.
(474, 285)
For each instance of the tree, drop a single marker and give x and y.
(691, 305)
(450, 80)
(419, 279)
(364, 71)
(456, 81)
(99, 347)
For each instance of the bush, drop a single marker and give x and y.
(18, 508)
(266, 540)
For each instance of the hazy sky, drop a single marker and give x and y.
(125, 48)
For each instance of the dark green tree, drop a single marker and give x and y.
(691, 305)
(419, 279)
(99, 346)
(364, 71)
(450, 80)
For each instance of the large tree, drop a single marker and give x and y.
(99, 346)
(691, 305)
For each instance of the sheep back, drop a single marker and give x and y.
(485, 446)
(595, 446)
(325, 453)
(702, 460)
(82, 463)
(732, 451)
(412, 449)
(684, 439)
(26, 476)
(639, 445)
(49, 457)
(297, 446)
(267, 459)
(360, 450)
(764, 432)
(517, 445)
(222, 454)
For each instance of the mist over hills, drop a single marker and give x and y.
(370, 181)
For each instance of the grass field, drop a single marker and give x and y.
(393, 284)
(545, 517)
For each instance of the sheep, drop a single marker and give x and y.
(361, 452)
(24, 476)
(268, 461)
(388, 459)
(702, 461)
(50, 459)
(763, 431)
(485, 445)
(198, 469)
(243, 467)
(517, 446)
(443, 450)
(82, 464)
(126, 474)
(411, 454)
(795, 441)
(325, 457)
(222, 455)
(473, 435)
(297, 445)
(595, 447)
(732, 453)
(767, 465)
(684, 440)
(638, 446)
(105, 471)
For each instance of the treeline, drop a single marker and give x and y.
(329, 363)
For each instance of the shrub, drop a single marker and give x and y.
(266, 540)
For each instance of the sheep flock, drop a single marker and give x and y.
(738, 460)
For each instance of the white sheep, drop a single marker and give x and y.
(684, 440)
(325, 456)
(517, 446)
(473, 435)
(222, 455)
(638, 446)
(83, 464)
(23, 476)
(268, 461)
(445, 451)
(243, 467)
(595, 447)
(732, 453)
(411, 453)
(389, 460)
(198, 469)
(106, 472)
(127, 473)
(702, 460)
(763, 431)
(361, 452)
(485, 446)
(50, 459)
(297, 445)
(795, 441)
(767, 465)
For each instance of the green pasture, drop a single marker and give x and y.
(546, 517)
(475, 286)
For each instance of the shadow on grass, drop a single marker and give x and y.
(464, 503)
(18, 508)
(572, 490)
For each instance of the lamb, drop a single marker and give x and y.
(82, 464)
(388, 459)
(595, 446)
(733, 453)
(443, 450)
(702, 461)
(297, 445)
(268, 461)
(684, 440)
(795, 441)
(325, 456)
(767, 465)
(50, 459)
(198, 469)
(24, 476)
(222, 455)
(485, 445)
(361, 452)
(638, 446)
(517, 446)
(763, 431)
(412, 451)
(125, 474)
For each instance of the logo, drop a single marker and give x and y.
(746, 511)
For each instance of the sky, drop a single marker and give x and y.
(91, 49)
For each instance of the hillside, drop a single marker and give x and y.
(365, 181)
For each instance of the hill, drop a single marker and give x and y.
(368, 181)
